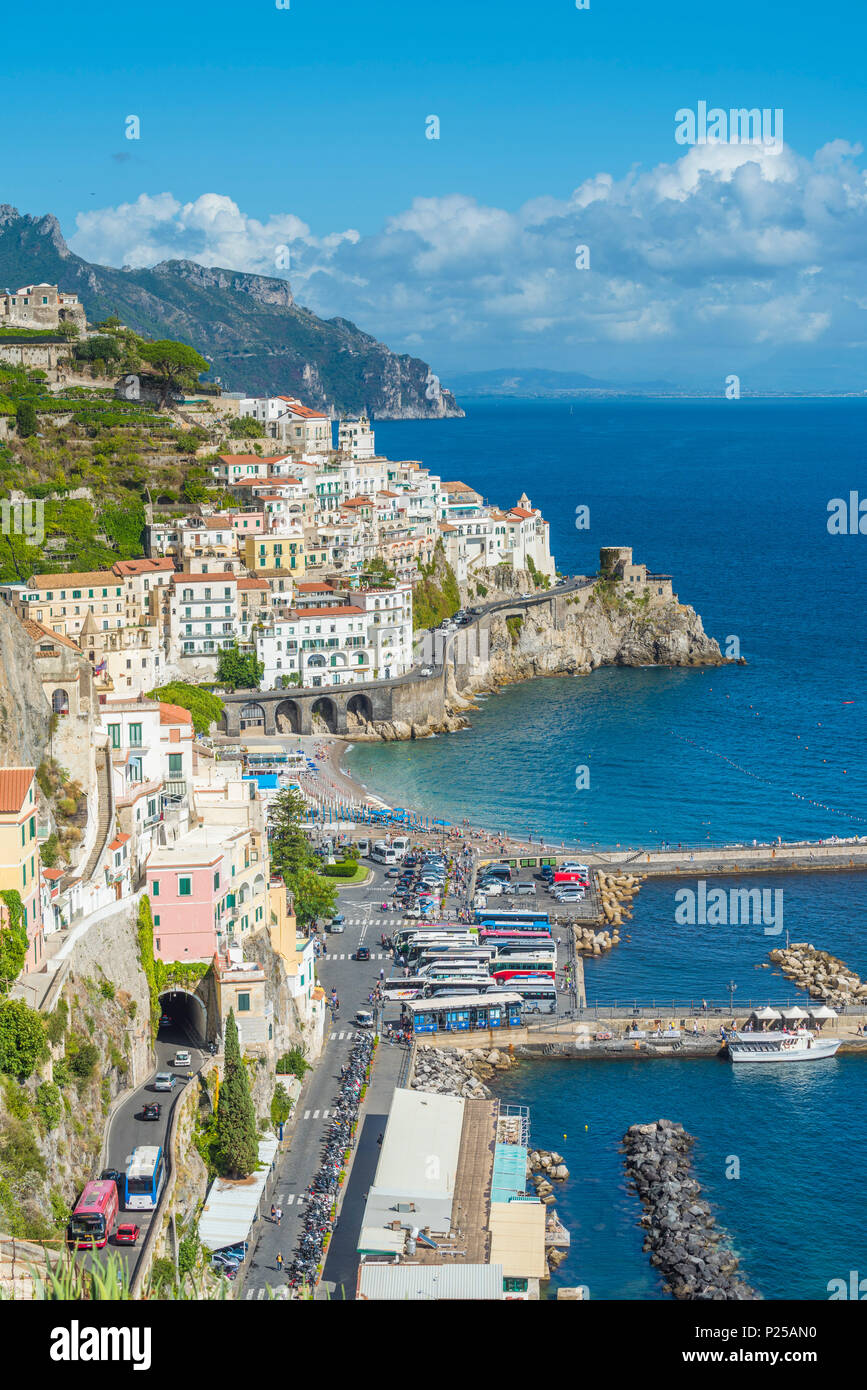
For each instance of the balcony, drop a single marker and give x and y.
(134, 791)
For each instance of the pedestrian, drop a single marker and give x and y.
(382, 974)
(379, 1141)
(279, 1262)
(273, 1212)
(279, 1215)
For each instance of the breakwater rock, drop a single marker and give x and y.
(616, 892)
(452, 1071)
(682, 1237)
(594, 943)
(822, 975)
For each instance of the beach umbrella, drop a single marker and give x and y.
(766, 1012)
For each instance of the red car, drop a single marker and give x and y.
(127, 1234)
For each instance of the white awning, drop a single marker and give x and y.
(795, 1013)
(766, 1012)
(822, 1011)
(230, 1207)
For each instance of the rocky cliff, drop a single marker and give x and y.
(24, 712)
(249, 326)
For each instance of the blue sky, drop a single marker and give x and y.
(309, 123)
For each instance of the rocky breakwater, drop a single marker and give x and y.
(822, 975)
(684, 1242)
(454, 1071)
(544, 1170)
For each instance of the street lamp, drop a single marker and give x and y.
(731, 989)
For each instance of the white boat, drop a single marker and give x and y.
(780, 1045)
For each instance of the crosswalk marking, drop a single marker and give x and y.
(306, 1114)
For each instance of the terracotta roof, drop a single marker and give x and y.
(384, 492)
(39, 632)
(459, 487)
(521, 512)
(357, 502)
(174, 714)
(248, 582)
(444, 526)
(269, 480)
(52, 874)
(14, 785)
(315, 586)
(72, 581)
(118, 841)
(303, 410)
(124, 567)
(220, 576)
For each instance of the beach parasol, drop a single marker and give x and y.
(794, 1013)
(822, 1011)
(766, 1012)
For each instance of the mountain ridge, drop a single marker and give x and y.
(250, 328)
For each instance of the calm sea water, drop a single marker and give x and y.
(730, 498)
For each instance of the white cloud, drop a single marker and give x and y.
(729, 251)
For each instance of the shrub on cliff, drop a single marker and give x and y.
(145, 934)
(236, 1119)
(22, 1039)
(13, 938)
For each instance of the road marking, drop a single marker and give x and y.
(306, 1114)
(315, 1115)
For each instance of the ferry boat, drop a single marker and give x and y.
(780, 1045)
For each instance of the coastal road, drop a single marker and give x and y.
(297, 1167)
(354, 981)
(126, 1131)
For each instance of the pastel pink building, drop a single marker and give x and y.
(188, 883)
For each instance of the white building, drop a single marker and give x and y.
(355, 438)
(203, 620)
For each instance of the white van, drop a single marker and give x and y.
(383, 853)
(400, 844)
(363, 847)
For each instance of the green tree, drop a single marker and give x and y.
(239, 670)
(236, 1119)
(246, 427)
(22, 1038)
(314, 896)
(289, 846)
(206, 708)
(25, 419)
(177, 364)
(281, 1105)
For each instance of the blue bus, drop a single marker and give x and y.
(144, 1177)
(495, 919)
(464, 1013)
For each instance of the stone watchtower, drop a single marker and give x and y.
(614, 560)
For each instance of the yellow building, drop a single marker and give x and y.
(275, 552)
(19, 851)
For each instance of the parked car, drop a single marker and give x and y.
(128, 1233)
(164, 1081)
(113, 1175)
(426, 671)
(364, 1018)
(152, 1111)
(363, 953)
(525, 889)
(182, 1058)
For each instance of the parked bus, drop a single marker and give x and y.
(517, 920)
(538, 997)
(144, 1177)
(92, 1221)
(410, 987)
(451, 984)
(458, 931)
(527, 960)
(508, 945)
(460, 955)
(531, 974)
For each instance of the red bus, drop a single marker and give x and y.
(571, 876)
(95, 1213)
(511, 977)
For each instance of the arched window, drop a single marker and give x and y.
(60, 702)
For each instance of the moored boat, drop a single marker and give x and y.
(780, 1045)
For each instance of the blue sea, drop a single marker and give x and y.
(730, 498)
